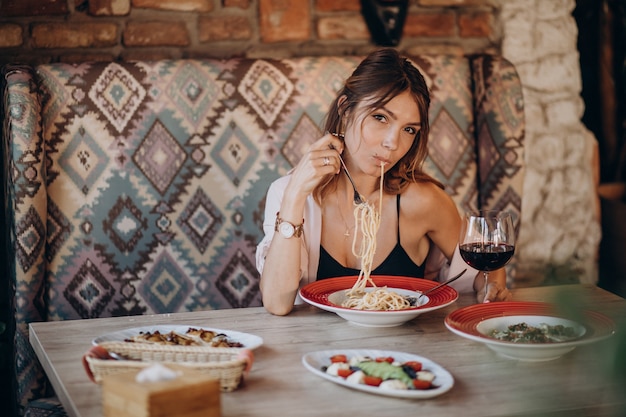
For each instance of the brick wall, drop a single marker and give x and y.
(41, 31)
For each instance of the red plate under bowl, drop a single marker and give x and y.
(465, 320)
(317, 292)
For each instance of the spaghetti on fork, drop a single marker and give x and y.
(367, 221)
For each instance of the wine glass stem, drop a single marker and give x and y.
(486, 275)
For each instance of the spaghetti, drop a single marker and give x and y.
(367, 220)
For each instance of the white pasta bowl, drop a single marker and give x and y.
(328, 294)
(477, 322)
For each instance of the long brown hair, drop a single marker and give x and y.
(380, 77)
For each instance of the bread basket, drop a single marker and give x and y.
(226, 364)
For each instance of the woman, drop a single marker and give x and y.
(379, 118)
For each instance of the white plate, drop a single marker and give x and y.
(474, 322)
(339, 297)
(314, 361)
(530, 351)
(249, 341)
(501, 324)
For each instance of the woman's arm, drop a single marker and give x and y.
(280, 271)
(282, 266)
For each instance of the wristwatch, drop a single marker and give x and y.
(287, 229)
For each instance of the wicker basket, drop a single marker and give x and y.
(225, 364)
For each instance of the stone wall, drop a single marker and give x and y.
(559, 233)
(560, 230)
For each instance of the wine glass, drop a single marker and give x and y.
(487, 240)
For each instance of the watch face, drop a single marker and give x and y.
(286, 229)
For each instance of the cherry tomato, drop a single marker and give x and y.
(372, 380)
(415, 365)
(421, 384)
(387, 359)
(344, 373)
(339, 358)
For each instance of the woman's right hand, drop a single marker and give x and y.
(320, 160)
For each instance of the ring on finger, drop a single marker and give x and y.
(326, 161)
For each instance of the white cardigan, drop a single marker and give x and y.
(437, 266)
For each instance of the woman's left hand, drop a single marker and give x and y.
(495, 292)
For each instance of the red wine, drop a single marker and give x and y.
(486, 256)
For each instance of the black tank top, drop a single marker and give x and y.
(397, 263)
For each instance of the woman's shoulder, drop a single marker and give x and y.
(425, 196)
(424, 189)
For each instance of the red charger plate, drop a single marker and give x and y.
(317, 292)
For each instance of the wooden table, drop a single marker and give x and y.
(579, 383)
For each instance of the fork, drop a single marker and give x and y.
(454, 278)
(357, 196)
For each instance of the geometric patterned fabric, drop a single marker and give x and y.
(138, 188)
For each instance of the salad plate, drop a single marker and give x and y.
(317, 361)
(327, 294)
(249, 341)
(486, 324)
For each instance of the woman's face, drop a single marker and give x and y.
(383, 135)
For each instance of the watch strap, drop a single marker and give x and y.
(297, 228)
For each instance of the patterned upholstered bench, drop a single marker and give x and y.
(138, 188)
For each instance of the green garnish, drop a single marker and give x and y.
(385, 370)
